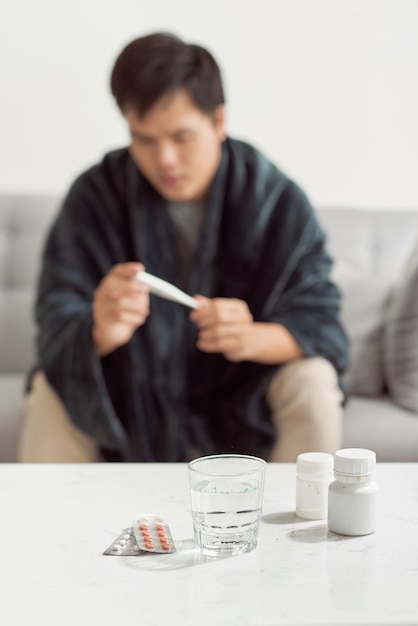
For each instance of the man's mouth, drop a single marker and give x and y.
(171, 180)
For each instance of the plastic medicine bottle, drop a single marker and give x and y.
(313, 476)
(352, 497)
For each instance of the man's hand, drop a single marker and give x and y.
(120, 306)
(225, 326)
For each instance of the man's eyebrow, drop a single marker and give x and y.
(139, 135)
(184, 130)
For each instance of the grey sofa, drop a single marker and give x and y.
(370, 248)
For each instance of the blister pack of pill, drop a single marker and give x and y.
(124, 545)
(148, 533)
(153, 534)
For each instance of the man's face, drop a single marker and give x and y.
(177, 147)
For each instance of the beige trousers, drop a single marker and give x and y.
(305, 401)
(48, 435)
(304, 398)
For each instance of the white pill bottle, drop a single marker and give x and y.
(352, 496)
(313, 476)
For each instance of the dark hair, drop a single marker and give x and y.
(160, 64)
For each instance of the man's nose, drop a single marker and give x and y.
(167, 155)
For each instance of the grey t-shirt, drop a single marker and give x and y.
(187, 220)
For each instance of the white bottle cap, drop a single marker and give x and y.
(355, 462)
(315, 463)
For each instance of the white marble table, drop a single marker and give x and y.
(56, 520)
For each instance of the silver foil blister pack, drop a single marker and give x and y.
(124, 545)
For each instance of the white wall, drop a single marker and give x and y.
(327, 88)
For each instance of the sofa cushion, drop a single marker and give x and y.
(400, 340)
(12, 388)
(24, 221)
(381, 425)
(362, 313)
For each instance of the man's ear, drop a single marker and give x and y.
(219, 120)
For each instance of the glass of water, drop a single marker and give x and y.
(226, 492)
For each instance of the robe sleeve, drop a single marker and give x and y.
(277, 259)
(77, 254)
(303, 298)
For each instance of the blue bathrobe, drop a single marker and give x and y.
(156, 396)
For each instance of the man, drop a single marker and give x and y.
(128, 376)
